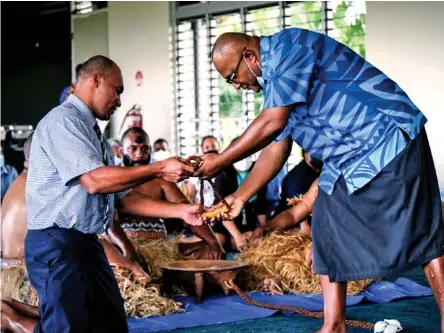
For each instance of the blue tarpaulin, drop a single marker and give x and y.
(223, 309)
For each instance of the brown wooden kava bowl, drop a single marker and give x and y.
(201, 277)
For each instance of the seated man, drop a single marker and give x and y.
(161, 150)
(14, 228)
(136, 151)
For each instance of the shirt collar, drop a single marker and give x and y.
(265, 45)
(87, 113)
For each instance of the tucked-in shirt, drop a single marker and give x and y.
(346, 112)
(64, 147)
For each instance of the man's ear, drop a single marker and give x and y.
(96, 79)
(120, 152)
(250, 54)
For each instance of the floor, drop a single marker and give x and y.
(419, 315)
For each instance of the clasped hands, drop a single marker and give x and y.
(175, 169)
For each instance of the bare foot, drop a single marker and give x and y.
(25, 309)
(139, 275)
(272, 286)
(14, 321)
(335, 328)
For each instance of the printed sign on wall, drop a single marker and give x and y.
(139, 78)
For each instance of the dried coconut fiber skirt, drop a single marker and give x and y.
(392, 224)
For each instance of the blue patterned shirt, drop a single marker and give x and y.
(346, 112)
(64, 147)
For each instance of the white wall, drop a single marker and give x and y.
(406, 41)
(90, 36)
(138, 35)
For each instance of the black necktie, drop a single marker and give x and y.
(102, 144)
(105, 161)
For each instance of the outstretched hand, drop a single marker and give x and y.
(211, 166)
(221, 212)
(191, 215)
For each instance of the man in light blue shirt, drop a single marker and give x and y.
(378, 209)
(71, 188)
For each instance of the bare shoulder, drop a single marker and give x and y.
(15, 196)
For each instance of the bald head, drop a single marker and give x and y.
(228, 44)
(236, 56)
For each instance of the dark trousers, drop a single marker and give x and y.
(77, 290)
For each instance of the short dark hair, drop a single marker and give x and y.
(94, 64)
(208, 137)
(78, 68)
(135, 130)
(161, 140)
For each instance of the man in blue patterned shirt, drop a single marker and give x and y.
(70, 191)
(378, 210)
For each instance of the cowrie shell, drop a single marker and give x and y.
(380, 326)
(391, 329)
(394, 322)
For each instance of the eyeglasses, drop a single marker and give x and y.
(230, 79)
